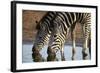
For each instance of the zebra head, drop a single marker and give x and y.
(57, 27)
(42, 36)
(44, 28)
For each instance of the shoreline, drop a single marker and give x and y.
(79, 43)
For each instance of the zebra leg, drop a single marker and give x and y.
(73, 43)
(51, 54)
(85, 48)
(62, 54)
(85, 43)
(89, 45)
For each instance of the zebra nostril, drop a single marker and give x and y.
(40, 37)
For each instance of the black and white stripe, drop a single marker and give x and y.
(64, 22)
(55, 26)
(44, 30)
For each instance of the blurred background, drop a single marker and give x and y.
(29, 26)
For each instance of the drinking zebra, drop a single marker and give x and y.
(44, 32)
(63, 24)
(55, 26)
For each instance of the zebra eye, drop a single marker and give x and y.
(43, 28)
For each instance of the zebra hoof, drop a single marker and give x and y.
(73, 58)
(85, 55)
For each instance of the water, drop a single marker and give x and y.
(27, 53)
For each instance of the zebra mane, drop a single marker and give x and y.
(42, 20)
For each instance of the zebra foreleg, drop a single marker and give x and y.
(73, 44)
(89, 45)
(62, 54)
(85, 43)
(85, 49)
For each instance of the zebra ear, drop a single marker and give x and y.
(37, 25)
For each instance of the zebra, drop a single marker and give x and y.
(43, 34)
(65, 22)
(55, 26)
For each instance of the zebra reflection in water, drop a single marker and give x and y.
(53, 30)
